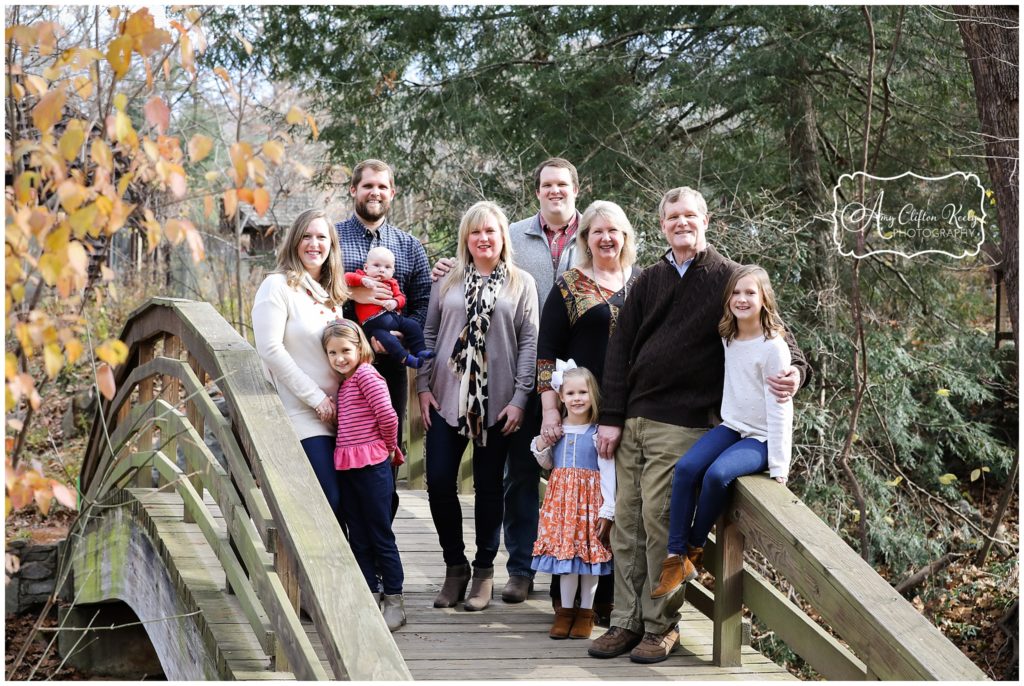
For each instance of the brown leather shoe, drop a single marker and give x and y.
(696, 557)
(481, 591)
(614, 642)
(655, 647)
(563, 623)
(517, 588)
(583, 625)
(675, 571)
(456, 578)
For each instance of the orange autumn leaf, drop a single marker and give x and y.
(261, 201)
(158, 114)
(199, 147)
(245, 195)
(119, 55)
(48, 110)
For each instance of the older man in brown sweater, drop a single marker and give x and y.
(662, 388)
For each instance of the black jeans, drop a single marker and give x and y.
(366, 508)
(444, 449)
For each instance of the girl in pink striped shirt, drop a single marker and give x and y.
(367, 445)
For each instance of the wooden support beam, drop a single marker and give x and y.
(728, 611)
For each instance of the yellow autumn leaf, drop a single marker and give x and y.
(119, 55)
(56, 241)
(36, 84)
(199, 146)
(10, 365)
(47, 111)
(71, 195)
(100, 154)
(975, 475)
(942, 392)
(84, 221)
(124, 130)
(112, 351)
(947, 479)
(894, 482)
(889, 520)
(273, 151)
(303, 171)
(53, 360)
(120, 102)
(78, 258)
(240, 154)
(50, 267)
(211, 176)
(73, 350)
(294, 115)
(71, 141)
(312, 126)
(187, 54)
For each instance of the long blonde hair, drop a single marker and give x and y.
(332, 273)
(474, 217)
(771, 322)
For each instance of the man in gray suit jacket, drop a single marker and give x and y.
(543, 245)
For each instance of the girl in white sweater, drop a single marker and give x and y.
(756, 432)
(292, 307)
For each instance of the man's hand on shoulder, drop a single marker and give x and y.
(442, 267)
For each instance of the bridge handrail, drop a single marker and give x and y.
(890, 638)
(274, 478)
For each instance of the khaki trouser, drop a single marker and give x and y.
(644, 464)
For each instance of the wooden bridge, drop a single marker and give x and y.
(229, 564)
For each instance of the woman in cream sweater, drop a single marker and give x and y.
(292, 307)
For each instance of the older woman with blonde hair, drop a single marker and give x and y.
(578, 319)
(293, 305)
(482, 325)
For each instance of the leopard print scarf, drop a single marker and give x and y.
(469, 356)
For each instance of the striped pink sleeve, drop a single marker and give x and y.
(375, 390)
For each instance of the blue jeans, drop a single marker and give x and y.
(522, 497)
(320, 452)
(713, 463)
(444, 448)
(366, 509)
(381, 326)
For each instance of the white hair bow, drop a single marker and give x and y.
(560, 369)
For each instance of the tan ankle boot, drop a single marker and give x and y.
(583, 625)
(453, 590)
(564, 618)
(675, 571)
(482, 589)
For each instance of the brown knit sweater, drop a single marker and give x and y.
(665, 360)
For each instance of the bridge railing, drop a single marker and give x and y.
(283, 543)
(886, 637)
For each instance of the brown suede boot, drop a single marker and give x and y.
(456, 578)
(675, 571)
(564, 618)
(696, 557)
(583, 625)
(481, 591)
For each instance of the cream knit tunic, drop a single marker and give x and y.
(287, 324)
(748, 406)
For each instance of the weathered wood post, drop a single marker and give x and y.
(727, 615)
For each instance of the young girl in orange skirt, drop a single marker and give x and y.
(579, 506)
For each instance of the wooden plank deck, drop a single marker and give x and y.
(511, 641)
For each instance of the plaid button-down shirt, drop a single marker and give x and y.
(558, 238)
(412, 270)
